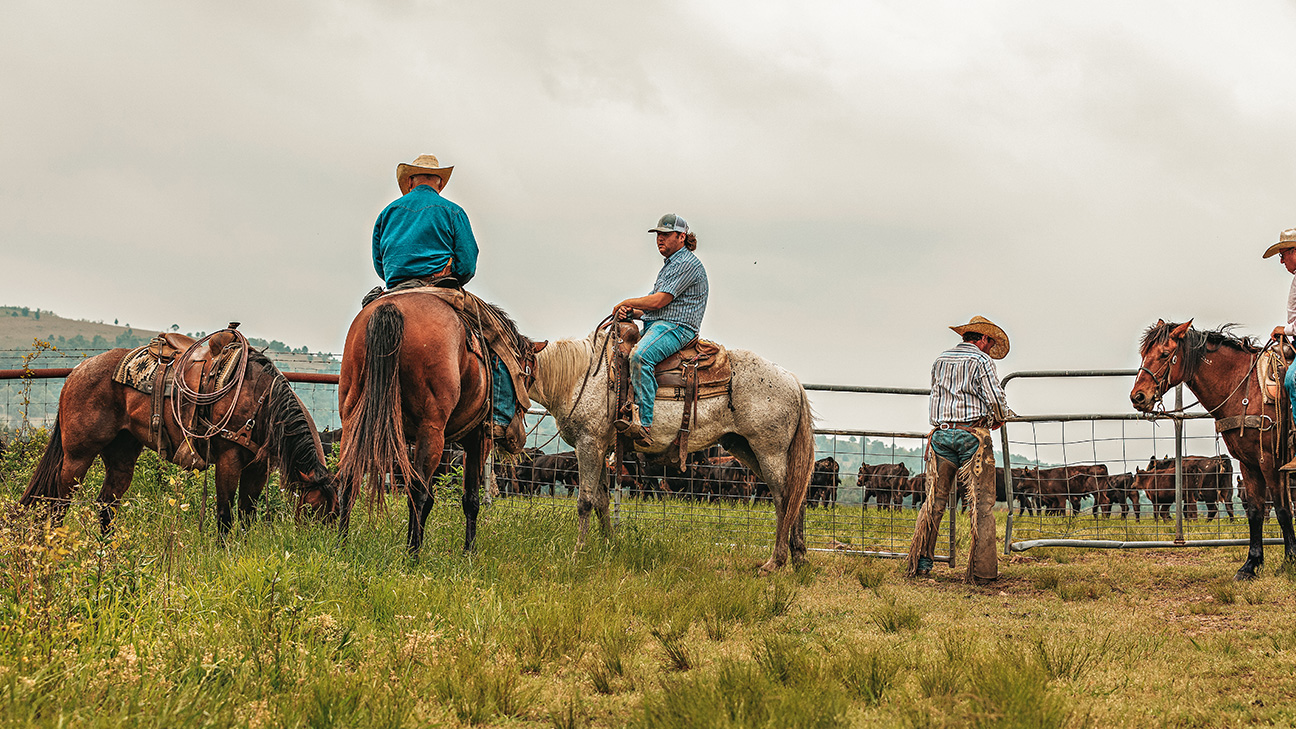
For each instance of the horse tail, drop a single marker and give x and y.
(801, 459)
(375, 446)
(44, 484)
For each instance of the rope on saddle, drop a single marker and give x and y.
(183, 394)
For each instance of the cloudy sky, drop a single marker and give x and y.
(860, 174)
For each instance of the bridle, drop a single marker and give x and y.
(1161, 382)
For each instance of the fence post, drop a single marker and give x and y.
(1008, 487)
(1179, 494)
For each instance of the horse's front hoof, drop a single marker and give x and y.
(1244, 575)
(770, 567)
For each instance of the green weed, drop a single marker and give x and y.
(893, 617)
(867, 674)
(674, 643)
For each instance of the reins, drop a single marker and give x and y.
(588, 374)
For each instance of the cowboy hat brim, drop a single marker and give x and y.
(987, 328)
(405, 171)
(1281, 245)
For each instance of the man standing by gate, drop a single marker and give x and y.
(967, 402)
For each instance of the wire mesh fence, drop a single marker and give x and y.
(1119, 480)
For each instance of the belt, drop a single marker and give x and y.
(979, 423)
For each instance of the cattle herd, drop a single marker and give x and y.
(712, 475)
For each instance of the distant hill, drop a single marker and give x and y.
(76, 339)
(21, 325)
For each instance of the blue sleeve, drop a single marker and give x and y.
(377, 246)
(465, 248)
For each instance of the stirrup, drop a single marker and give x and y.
(1289, 466)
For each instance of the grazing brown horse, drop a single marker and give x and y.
(100, 417)
(411, 374)
(1219, 368)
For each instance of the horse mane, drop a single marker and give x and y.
(1196, 344)
(290, 442)
(561, 366)
(521, 343)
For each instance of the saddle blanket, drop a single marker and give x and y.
(138, 369)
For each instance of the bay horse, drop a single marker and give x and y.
(766, 423)
(1219, 368)
(412, 375)
(98, 416)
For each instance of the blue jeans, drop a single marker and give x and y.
(503, 404)
(1289, 381)
(660, 339)
(954, 445)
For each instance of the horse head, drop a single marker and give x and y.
(1162, 365)
(317, 497)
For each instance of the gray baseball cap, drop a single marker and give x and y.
(670, 223)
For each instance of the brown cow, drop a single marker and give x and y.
(1206, 479)
(1064, 485)
(824, 481)
(881, 481)
(1120, 490)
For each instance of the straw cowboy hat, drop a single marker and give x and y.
(1286, 239)
(985, 327)
(424, 164)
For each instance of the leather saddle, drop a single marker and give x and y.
(699, 362)
(699, 370)
(150, 370)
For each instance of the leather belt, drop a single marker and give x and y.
(978, 423)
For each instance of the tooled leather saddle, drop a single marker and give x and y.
(699, 370)
(210, 366)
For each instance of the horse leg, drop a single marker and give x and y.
(592, 490)
(427, 456)
(119, 463)
(1253, 481)
(252, 481)
(228, 466)
(476, 448)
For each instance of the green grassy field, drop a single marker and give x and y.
(156, 625)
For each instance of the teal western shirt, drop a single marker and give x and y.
(418, 234)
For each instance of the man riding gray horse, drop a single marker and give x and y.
(672, 316)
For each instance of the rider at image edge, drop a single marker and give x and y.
(1286, 250)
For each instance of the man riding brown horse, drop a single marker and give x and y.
(1286, 250)
(423, 239)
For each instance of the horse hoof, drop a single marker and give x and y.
(1244, 576)
(769, 567)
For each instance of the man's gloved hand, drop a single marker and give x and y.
(1278, 332)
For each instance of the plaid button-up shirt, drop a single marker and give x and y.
(683, 277)
(965, 387)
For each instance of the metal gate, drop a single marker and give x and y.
(1104, 470)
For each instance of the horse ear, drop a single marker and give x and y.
(1180, 331)
(1160, 322)
(537, 346)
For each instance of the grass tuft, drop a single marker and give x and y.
(893, 617)
(867, 674)
(674, 643)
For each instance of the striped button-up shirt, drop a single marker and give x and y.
(683, 277)
(965, 387)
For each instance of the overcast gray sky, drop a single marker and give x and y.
(860, 174)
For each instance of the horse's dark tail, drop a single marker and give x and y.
(44, 486)
(375, 442)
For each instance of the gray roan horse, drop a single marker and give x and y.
(769, 428)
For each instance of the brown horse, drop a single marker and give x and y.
(411, 374)
(100, 417)
(1219, 368)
